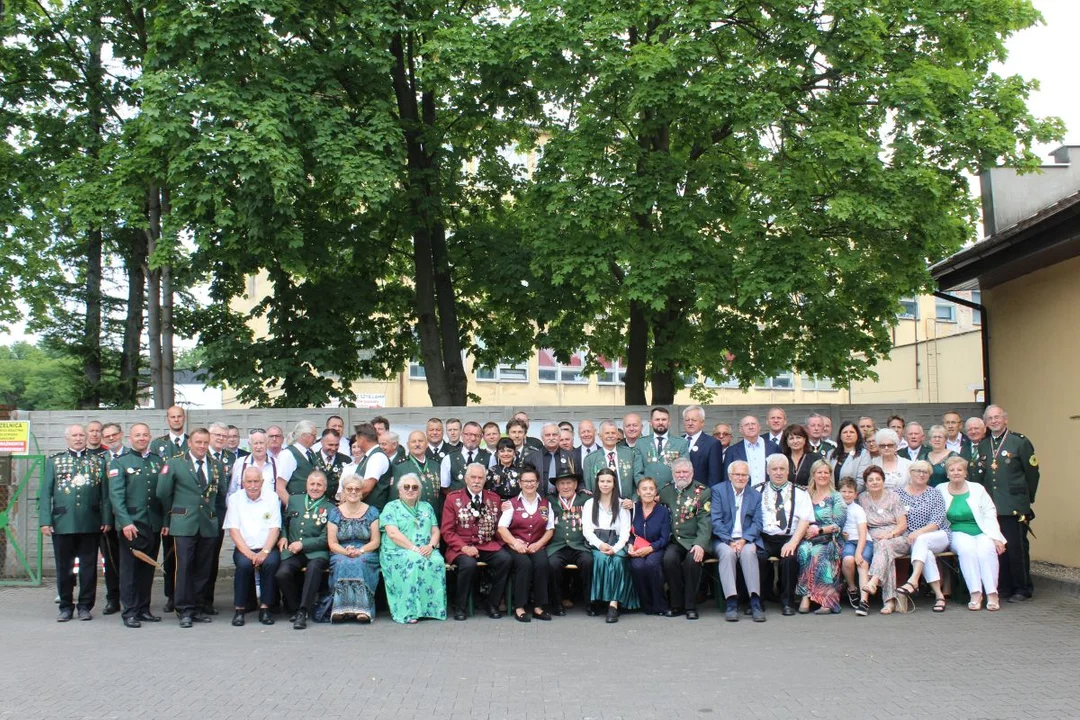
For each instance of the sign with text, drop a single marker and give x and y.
(371, 401)
(14, 437)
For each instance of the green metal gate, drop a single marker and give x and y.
(20, 536)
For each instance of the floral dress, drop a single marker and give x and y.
(353, 580)
(819, 562)
(881, 519)
(415, 585)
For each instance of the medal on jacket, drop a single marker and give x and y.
(1001, 444)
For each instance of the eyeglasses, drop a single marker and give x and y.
(724, 434)
(886, 445)
(921, 471)
(352, 490)
(275, 435)
(410, 487)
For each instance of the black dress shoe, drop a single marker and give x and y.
(1017, 597)
(691, 615)
(559, 612)
(591, 611)
(542, 615)
(612, 614)
(493, 612)
(64, 615)
(132, 622)
(301, 621)
(185, 622)
(788, 611)
(238, 619)
(460, 615)
(169, 606)
(148, 617)
(292, 618)
(210, 610)
(265, 617)
(673, 612)
(111, 608)
(84, 614)
(523, 617)
(201, 618)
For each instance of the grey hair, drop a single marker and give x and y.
(680, 462)
(392, 436)
(886, 435)
(986, 412)
(774, 459)
(693, 408)
(218, 427)
(476, 465)
(304, 427)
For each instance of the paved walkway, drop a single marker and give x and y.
(1020, 662)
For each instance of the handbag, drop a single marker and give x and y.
(609, 537)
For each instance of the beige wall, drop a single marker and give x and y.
(948, 369)
(1034, 346)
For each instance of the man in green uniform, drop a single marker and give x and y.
(73, 510)
(219, 451)
(1009, 471)
(192, 491)
(659, 450)
(172, 444)
(626, 463)
(331, 461)
(975, 430)
(691, 528)
(304, 545)
(421, 463)
(133, 480)
(567, 546)
(452, 470)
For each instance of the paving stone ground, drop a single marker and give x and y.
(1022, 662)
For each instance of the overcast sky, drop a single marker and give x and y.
(1039, 53)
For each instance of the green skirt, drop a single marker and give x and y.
(611, 580)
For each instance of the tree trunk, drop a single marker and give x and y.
(91, 396)
(665, 330)
(134, 261)
(663, 387)
(153, 302)
(637, 355)
(168, 387)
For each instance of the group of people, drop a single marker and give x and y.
(622, 519)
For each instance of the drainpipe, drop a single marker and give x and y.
(984, 332)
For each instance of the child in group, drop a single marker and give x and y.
(858, 547)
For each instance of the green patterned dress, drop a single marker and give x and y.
(415, 585)
(819, 563)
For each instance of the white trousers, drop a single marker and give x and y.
(925, 547)
(978, 561)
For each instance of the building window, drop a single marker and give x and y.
(504, 373)
(551, 370)
(945, 311)
(910, 309)
(416, 371)
(783, 381)
(811, 383)
(976, 315)
(731, 383)
(614, 373)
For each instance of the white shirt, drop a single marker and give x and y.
(269, 476)
(691, 440)
(804, 508)
(376, 466)
(607, 521)
(586, 450)
(777, 437)
(286, 461)
(736, 529)
(856, 516)
(954, 445)
(530, 510)
(253, 518)
(755, 458)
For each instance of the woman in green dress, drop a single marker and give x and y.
(414, 573)
(820, 553)
(938, 455)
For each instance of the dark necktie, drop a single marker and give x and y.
(468, 458)
(115, 455)
(781, 516)
(310, 456)
(199, 474)
(611, 459)
(660, 445)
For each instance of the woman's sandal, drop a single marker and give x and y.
(993, 605)
(871, 586)
(940, 604)
(907, 589)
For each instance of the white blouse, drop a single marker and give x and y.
(606, 521)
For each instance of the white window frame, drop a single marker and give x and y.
(903, 314)
(769, 382)
(976, 315)
(940, 305)
(417, 371)
(816, 384)
(503, 373)
(560, 369)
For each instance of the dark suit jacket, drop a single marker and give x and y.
(707, 457)
(723, 514)
(564, 461)
(737, 451)
(579, 460)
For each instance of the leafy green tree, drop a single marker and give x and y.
(736, 189)
(37, 378)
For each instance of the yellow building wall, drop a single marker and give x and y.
(1034, 348)
(943, 369)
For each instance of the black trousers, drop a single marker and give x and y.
(300, 589)
(531, 573)
(683, 576)
(1014, 575)
(244, 580)
(110, 550)
(789, 567)
(66, 548)
(208, 597)
(192, 571)
(569, 556)
(498, 561)
(168, 565)
(136, 578)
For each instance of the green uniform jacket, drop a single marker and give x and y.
(74, 495)
(691, 521)
(1012, 484)
(970, 452)
(166, 449)
(631, 469)
(305, 464)
(306, 521)
(380, 494)
(568, 530)
(228, 459)
(192, 510)
(333, 472)
(457, 466)
(133, 490)
(655, 466)
(430, 481)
